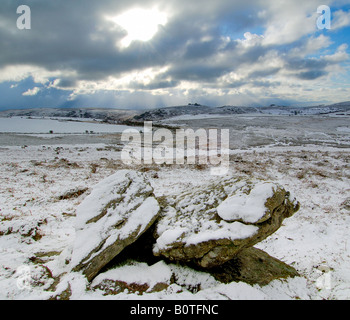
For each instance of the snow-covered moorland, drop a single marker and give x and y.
(42, 186)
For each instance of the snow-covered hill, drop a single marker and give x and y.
(107, 115)
(123, 115)
(196, 109)
(191, 109)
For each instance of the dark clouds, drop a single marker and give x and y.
(209, 44)
(311, 75)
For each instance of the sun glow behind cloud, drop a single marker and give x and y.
(153, 53)
(140, 24)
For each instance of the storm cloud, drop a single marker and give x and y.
(217, 50)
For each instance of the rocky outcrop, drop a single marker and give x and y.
(211, 225)
(116, 213)
(253, 266)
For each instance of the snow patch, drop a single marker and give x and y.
(139, 273)
(233, 231)
(248, 208)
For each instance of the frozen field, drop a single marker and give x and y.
(54, 126)
(43, 179)
(20, 131)
(255, 130)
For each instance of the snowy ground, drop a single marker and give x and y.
(41, 186)
(61, 126)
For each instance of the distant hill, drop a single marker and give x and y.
(191, 109)
(134, 116)
(106, 115)
(196, 109)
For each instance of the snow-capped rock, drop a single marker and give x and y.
(210, 225)
(116, 213)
